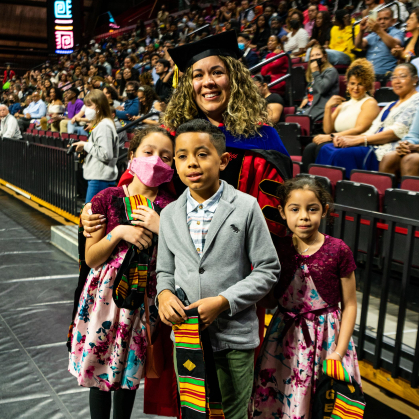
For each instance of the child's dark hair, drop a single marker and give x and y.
(140, 134)
(307, 183)
(217, 138)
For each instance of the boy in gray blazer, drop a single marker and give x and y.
(210, 239)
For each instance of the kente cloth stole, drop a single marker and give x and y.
(131, 278)
(346, 408)
(200, 396)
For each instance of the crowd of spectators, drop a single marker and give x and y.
(136, 73)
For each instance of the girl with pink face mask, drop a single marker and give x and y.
(107, 344)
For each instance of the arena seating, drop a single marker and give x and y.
(410, 183)
(296, 168)
(333, 173)
(325, 182)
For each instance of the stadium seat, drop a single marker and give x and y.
(49, 138)
(402, 203)
(385, 95)
(298, 83)
(64, 139)
(342, 86)
(130, 135)
(288, 110)
(377, 85)
(341, 68)
(410, 183)
(331, 172)
(32, 126)
(297, 158)
(325, 182)
(82, 138)
(290, 133)
(357, 195)
(296, 168)
(303, 120)
(296, 60)
(381, 181)
(42, 137)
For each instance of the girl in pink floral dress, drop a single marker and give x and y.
(108, 344)
(317, 273)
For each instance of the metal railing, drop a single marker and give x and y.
(377, 347)
(43, 171)
(257, 67)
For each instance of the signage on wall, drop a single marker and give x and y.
(64, 28)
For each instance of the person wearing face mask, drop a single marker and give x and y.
(99, 297)
(14, 104)
(9, 128)
(323, 83)
(99, 168)
(250, 58)
(131, 106)
(297, 39)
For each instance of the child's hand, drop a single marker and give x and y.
(209, 309)
(171, 309)
(147, 218)
(138, 236)
(91, 222)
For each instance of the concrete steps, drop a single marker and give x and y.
(66, 239)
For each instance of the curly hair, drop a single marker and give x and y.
(246, 110)
(363, 70)
(150, 96)
(146, 79)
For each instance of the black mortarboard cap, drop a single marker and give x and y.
(222, 44)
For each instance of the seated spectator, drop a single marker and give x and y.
(262, 33)
(404, 14)
(131, 106)
(350, 117)
(78, 124)
(312, 14)
(283, 11)
(380, 42)
(64, 80)
(370, 6)
(323, 83)
(276, 28)
(321, 32)
(9, 127)
(341, 43)
(320, 8)
(277, 68)
(411, 50)
(74, 106)
(14, 104)
(250, 58)
(243, 12)
(275, 103)
(55, 110)
(112, 96)
(150, 102)
(98, 82)
(35, 111)
(8, 74)
(365, 151)
(296, 40)
(123, 137)
(129, 62)
(163, 86)
(126, 77)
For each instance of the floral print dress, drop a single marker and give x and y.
(109, 344)
(289, 364)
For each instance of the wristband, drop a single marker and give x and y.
(365, 141)
(341, 357)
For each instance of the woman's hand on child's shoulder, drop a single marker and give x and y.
(138, 236)
(91, 222)
(147, 218)
(171, 309)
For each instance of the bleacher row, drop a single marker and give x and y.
(50, 138)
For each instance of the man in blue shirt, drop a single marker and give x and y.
(131, 107)
(379, 43)
(36, 110)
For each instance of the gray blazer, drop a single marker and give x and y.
(325, 85)
(238, 239)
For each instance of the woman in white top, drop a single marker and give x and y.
(55, 110)
(350, 117)
(99, 168)
(297, 39)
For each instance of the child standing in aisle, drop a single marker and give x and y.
(108, 344)
(210, 239)
(317, 273)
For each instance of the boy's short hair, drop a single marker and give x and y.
(166, 63)
(217, 138)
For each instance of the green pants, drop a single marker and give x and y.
(235, 377)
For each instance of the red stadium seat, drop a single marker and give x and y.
(303, 120)
(296, 60)
(331, 172)
(324, 181)
(130, 135)
(126, 145)
(288, 110)
(410, 183)
(381, 181)
(56, 134)
(31, 126)
(377, 85)
(296, 168)
(297, 158)
(341, 68)
(82, 138)
(342, 86)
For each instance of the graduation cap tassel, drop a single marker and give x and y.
(175, 77)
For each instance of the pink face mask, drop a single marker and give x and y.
(151, 171)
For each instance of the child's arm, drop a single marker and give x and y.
(349, 306)
(99, 247)
(171, 309)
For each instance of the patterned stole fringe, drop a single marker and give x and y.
(200, 396)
